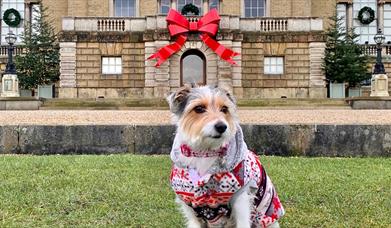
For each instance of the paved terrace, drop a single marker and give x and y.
(162, 117)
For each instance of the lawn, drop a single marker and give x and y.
(132, 190)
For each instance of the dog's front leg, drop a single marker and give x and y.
(241, 210)
(192, 220)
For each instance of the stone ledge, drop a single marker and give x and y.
(20, 103)
(285, 140)
(369, 102)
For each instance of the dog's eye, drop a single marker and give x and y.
(199, 109)
(224, 109)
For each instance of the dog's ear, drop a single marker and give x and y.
(178, 100)
(231, 97)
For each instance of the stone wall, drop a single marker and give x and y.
(285, 140)
(92, 83)
(294, 82)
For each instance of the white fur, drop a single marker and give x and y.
(241, 210)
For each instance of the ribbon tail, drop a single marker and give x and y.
(165, 52)
(224, 53)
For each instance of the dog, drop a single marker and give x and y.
(218, 182)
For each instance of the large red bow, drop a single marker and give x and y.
(179, 26)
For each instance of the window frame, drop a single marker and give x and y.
(136, 8)
(108, 65)
(199, 54)
(275, 65)
(265, 9)
(201, 7)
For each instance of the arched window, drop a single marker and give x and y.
(182, 3)
(193, 67)
(254, 8)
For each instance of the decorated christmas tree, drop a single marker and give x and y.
(39, 64)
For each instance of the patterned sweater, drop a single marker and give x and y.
(212, 195)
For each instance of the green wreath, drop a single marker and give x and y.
(366, 15)
(12, 17)
(190, 8)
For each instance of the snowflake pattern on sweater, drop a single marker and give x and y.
(211, 196)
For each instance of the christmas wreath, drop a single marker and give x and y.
(366, 15)
(190, 8)
(12, 17)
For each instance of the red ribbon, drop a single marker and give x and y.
(179, 26)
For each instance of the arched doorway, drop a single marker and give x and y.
(193, 67)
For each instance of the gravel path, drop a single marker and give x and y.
(110, 117)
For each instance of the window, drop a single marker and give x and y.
(341, 13)
(366, 32)
(165, 6)
(214, 4)
(111, 65)
(193, 67)
(125, 8)
(5, 29)
(254, 8)
(182, 3)
(273, 65)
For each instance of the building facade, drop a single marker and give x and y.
(105, 45)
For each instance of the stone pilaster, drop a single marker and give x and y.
(317, 77)
(224, 72)
(67, 70)
(237, 70)
(157, 79)
(380, 15)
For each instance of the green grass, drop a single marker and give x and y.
(131, 190)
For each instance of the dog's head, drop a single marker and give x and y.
(205, 116)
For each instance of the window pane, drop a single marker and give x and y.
(124, 8)
(273, 65)
(193, 69)
(254, 8)
(111, 65)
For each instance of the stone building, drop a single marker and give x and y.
(105, 45)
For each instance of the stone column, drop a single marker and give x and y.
(349, 16)
(380, 15)
(205, 6)
(173, 4)
(67, 70)
(317, 77)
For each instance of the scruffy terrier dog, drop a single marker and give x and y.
(217, 180)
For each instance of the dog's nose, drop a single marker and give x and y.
(220, 127)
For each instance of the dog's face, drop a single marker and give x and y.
(205, 116)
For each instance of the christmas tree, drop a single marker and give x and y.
(40, 62)
(344, 59)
